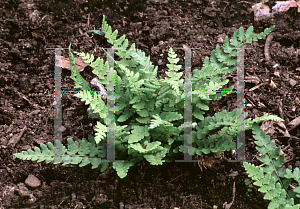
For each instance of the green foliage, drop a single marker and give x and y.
(81, 152)
(247, 183)
(239, 39)
(271, 178)
(149, 112)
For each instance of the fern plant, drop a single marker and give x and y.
(271, 178)
(149, 112)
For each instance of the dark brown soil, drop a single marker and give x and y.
(27, 96)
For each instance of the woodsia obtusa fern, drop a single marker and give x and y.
(149, 111)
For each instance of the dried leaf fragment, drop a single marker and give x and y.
(65, 63)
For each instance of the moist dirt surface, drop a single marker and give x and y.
(29, 29)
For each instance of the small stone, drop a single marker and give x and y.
(292, 82)
(32, 181)
(160, 62)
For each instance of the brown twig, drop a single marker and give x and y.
(17, 138)
(267, 47)
(227, 206)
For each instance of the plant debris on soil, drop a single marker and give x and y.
(29, 29)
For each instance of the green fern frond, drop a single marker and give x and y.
(100, 132)
(75, 75)
(172, 57)
(87, 57)
(122, 167)
(138, 133)
(159, 154)
(157, 121)
(249, 122)
(270, 181)
(174, 76)
(239, 39)
(82, 153)
(222, 141)
(98, 65)
(150, 71)
(95, 102)
(145, 68)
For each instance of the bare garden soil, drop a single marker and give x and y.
(27, 96)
